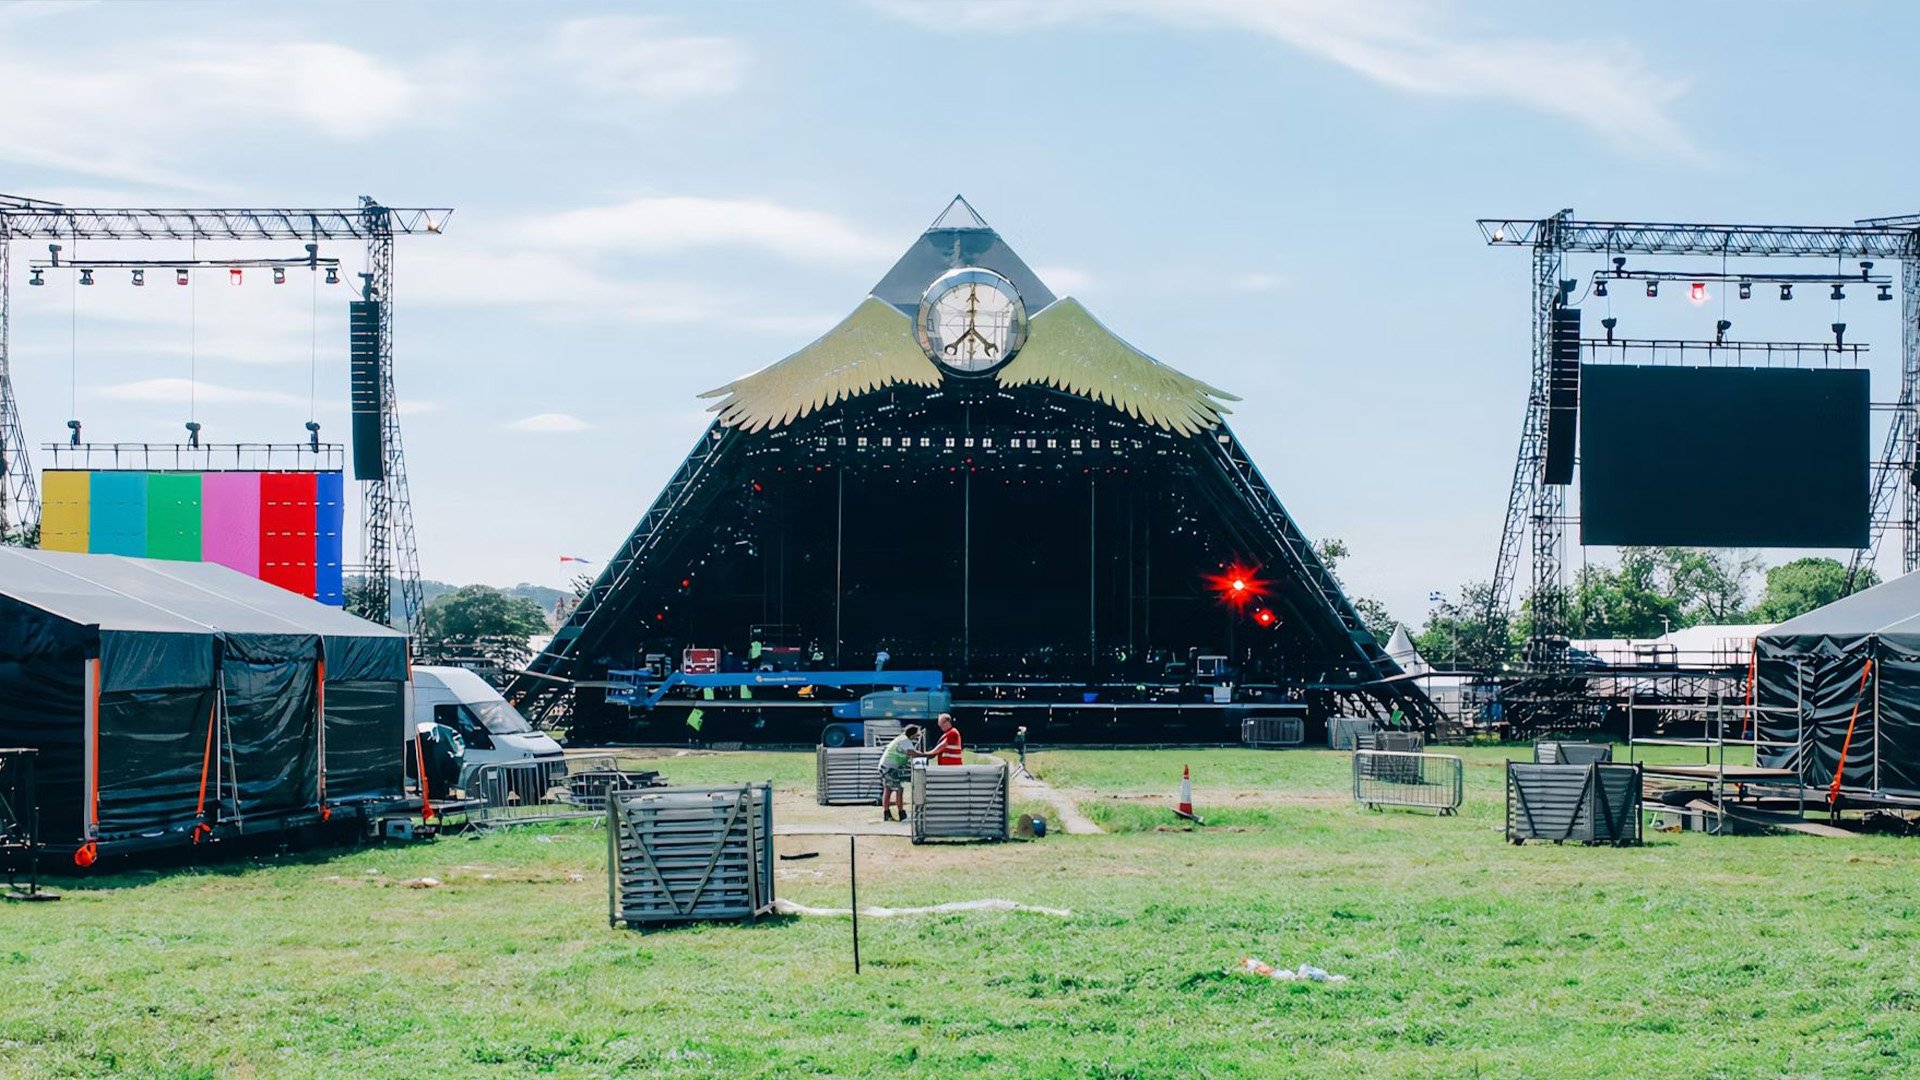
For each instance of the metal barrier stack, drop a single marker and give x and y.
(880, 732)
(689, 854)
(847, 775)
(1401, 778)
(1344, 731)
(524, 792)
(1263, 731)
(1597, 803)
(1549, 752)
(960, 802)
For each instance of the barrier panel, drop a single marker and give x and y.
(1597, 803)
(1342, 731)
(557, 789)
(1401, 778)
(689, 854)
(847, 775)
(959, 802)
(1552, 752)
(1259, 731)
(1398, 742)
(880, 732)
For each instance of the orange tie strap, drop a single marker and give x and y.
(1833, 792)
(320, 734)
(420, 763)
(206, 757)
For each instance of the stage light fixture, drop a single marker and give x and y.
(180, 276)
(1886, 292)
(1599, 288)
(1866, 268)
(1839, 333)
(86, 276)
(1619, 264)
(193, 433)
(235, 275)
(313, 436)
(1609, 322)
(1653, 288)
(1239, 585)
(1697, 292)
(279, 275)
(333, 275)
(1263, 617)
(1746, 290)
(73, 433)
(1786, 290)
(1838, 292)
(139, 277)
(36, 279)
(1720, 331)
(1499, 233)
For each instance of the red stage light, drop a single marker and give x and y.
(1237, 585)
(1263, 617)
(234, 274)
(1698, 292)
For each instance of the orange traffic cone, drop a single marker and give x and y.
(1185, 809)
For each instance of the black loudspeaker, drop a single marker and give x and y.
(364, 391)
(1563, 395)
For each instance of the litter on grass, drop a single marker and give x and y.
(1303, 973)
(788, 907)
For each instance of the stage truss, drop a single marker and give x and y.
(1536, 516)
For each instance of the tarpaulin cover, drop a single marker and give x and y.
(366, 733)
(272, 705)
(1810, 685)
(42, 697)
(152, 744)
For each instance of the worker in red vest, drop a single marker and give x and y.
(947, 750)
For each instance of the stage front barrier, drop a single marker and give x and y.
(1399, 778)
(1548, 752)
(1261, 731)
(960, 802)
(847, 775)
(689, 854)
(1597, 803)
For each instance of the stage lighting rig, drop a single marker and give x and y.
(1746, 290)
(1653, 287)
(1720, 331)
(1786, 290)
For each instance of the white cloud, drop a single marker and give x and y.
(172, 391)
(132, 113)
(1410, 45)
(676, 223)
(1064, 280)
(549, 422)
(637, 60)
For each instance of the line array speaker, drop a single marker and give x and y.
(1563, 395)
(363, 351)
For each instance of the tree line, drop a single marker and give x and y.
(1651, 591)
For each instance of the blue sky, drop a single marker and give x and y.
(1277, 197)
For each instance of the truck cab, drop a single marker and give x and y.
(493, 731)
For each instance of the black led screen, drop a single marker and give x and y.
(1723, 457)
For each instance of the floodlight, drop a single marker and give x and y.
(1838, 292)
(86, 276)
(1600, 288)
(1720, 331)
(1653, 288)
(1886, 292)
(36, 279)
(1839, 333)
(180, 276)
(333, 275)
(1746, 290)
(1697, 292)
(235, 275)
(1786, 290)
(139, 277)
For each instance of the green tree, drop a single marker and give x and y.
(1655, 589)
(1457, 634)
(1798, 587)
(475, 611)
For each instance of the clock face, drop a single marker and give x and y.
(972, 321)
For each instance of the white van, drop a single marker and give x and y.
(495, 733)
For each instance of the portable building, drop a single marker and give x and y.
(176, 701)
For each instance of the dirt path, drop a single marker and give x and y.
(1026, 787)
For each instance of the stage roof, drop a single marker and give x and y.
(1890, 608)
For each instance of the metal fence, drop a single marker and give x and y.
(1597, 803)
(881, 732)
(959, 802)
(1399, 778)
(1552, 752)
(1342, 731)
(847, 775)
(1262, 731)
(1398, 770)
(689, 854)
(559, 789)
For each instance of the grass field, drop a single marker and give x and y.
(1691, 956)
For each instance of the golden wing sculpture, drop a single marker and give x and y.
(1068, 349)
(871, 348)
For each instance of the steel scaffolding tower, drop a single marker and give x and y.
(386, 511)
(1538, 508)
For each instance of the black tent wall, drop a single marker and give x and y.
(43, 704)
(1809, 689)
(366, 716)
(272, 699)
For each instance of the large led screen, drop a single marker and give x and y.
(1723, 457)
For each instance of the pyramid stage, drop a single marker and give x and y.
(971, 475)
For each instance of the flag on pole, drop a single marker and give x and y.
(576, 558)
